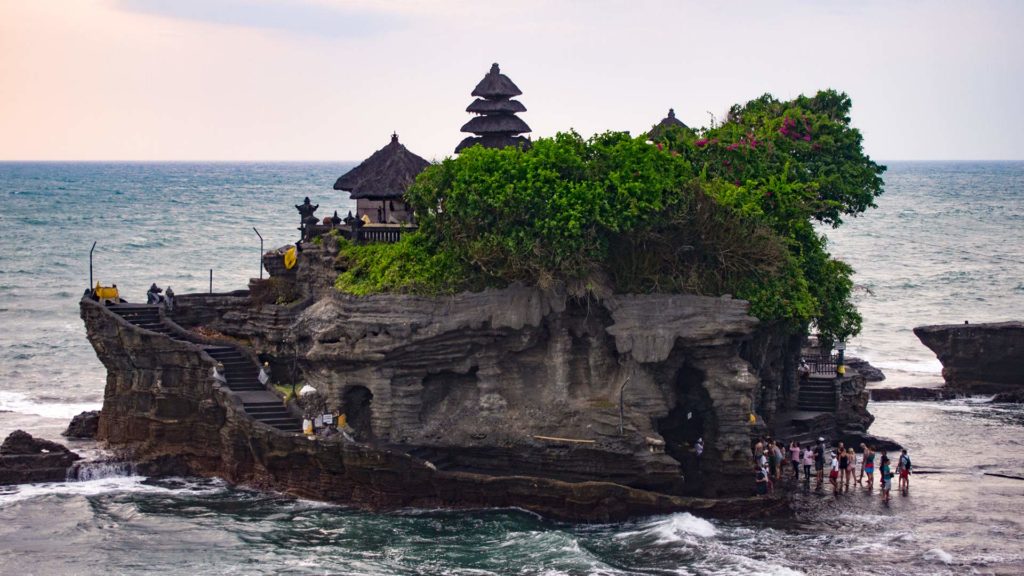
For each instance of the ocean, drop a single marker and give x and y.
(942, 246)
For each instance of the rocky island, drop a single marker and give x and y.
(984, 358)
(588, 329)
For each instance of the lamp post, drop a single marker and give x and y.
(90, 263)
(261, 250)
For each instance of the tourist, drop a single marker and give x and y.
(833, 474)
(819, 461)
(851, 458)
(153, 294)
(169, 299)
(794, 458)
(777, 459)
(758, 449)
(807, 455)
(761, 479)
(903, 470)
(844, 465)
(868, 465)
(885, 477)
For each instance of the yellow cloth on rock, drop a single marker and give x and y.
(290, 257)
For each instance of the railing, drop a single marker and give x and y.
(822, 364)
(373, 234)
(363, 234)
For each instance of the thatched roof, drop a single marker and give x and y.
(385, 175)
(493, 141)
(480, 106)
(497, 123)
(496, 85)
(666, 122)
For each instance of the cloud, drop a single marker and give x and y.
(292, 17)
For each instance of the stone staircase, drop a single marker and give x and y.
(817, 394)
(241, 373)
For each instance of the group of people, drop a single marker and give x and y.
(154, 296)
(846, 467)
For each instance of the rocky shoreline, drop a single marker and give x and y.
(514, 397)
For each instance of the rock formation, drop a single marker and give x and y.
(507, 397)
(83, 426)
(978, 358)
(24, 459)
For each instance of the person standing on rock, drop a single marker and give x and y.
(868, 466)
(808, 458)
(761, 481)
(903, 470)
(833, 473)
(794, 458)
(819, 461)
(851, 459)
(885, 480)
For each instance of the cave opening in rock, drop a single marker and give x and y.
(358, 411)
(691, 419)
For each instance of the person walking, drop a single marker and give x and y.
(868, 465)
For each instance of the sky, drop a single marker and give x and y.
(259, 80)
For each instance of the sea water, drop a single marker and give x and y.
(942, 246)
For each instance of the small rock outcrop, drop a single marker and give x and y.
(908, 393)
(1015, 397)
(865, 369)
(83, 426)
(978, 358)
(24, 459)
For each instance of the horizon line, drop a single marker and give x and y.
(319, 161)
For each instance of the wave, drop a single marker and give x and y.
(22, 404)
(114, 484)
(679, 527)
(914, 366)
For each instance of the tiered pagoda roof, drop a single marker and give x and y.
(385, 175)
(666, 122)
(497, 125)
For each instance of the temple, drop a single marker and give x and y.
(496, 125)
(379, 183)
(666, 123)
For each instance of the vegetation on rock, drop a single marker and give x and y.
(727, 209)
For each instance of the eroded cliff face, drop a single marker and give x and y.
(578, 409)
(163, 410)
(978, 358)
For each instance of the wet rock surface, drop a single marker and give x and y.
(909, 393)
(83, 426)
(978, 358)
(25, 459)
(1015, 397)
(865, 369)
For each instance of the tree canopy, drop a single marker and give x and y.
(730, 208)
